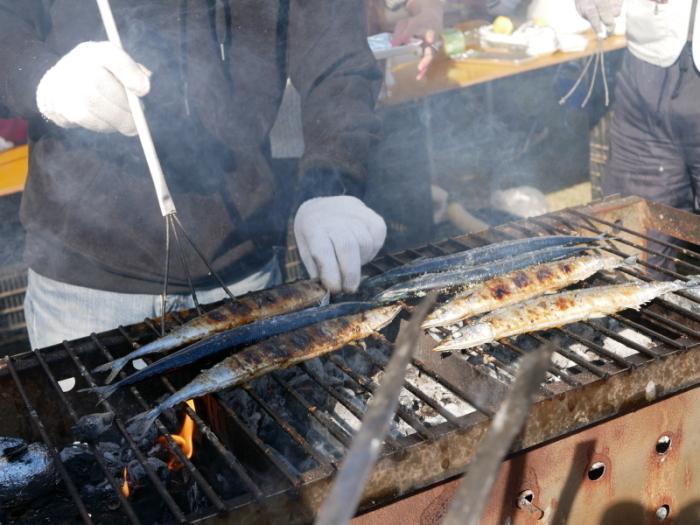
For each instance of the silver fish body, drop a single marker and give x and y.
(245, 309)
(521, 285)
(278, 352)
(462, 277)
(557, 310)
(475, 257)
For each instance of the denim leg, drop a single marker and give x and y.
(269, 275)
(56, 311)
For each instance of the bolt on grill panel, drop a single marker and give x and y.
(584, 384)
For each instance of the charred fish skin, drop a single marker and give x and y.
(243, 335)
(476, 256)
(521, 285)
(245, 309)
(275, 353)
(463, 277)
(557, 310)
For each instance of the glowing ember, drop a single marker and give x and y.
(125, 484)
(183, 439)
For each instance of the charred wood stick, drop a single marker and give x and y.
(340, 504)
(469, 501)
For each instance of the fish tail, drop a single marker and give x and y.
(103, 392)
(114, 367)
(630, 261)
(139, 425)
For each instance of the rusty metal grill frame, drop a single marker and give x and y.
(607, 387)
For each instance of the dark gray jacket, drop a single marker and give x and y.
(89, 207)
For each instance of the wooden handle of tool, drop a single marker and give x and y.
(464, 220)
(165, 200)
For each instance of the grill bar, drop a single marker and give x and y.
(345, 401)
(36, 421)
(336, 431)
(327, 466)
(417, 393)
(174, 448)
(231, 461)
(370, 386)
(292, 477)
(125, 505)
(152, 476)
(459, 392)
(622, 228)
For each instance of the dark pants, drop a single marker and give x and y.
(655, 139)
(655, 132)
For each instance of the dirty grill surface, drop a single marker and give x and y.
(277, 464)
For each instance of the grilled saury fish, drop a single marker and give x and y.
(557, 310)
(245, 309)
(521, 285)
(239, 337)
(474, 257)
(462, 277)
(272, 354)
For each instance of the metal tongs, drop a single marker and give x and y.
(598, 60)
(165, 200)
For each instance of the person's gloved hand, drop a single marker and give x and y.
(335, 237)
(425, 23)
(600, 13)
(86, 88)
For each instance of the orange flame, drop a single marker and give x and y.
(183, 439)
(125, 485)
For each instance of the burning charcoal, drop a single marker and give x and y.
(90, 427)
(26, 471)
(137, 473)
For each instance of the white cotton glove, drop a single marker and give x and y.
(600, 13)
(335, 237)
(86, 88)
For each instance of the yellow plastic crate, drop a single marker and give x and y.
(14, 166)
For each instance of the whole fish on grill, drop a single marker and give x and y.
(275, 353)
(474, 257)
(26, 471)
(241, 336)
(245, 309)
(559, 309)
(464, 276)
(521, 285)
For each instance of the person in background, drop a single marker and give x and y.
(655, 131)
(211, 76)
(13, 132)
(410, 19)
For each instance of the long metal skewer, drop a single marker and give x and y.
(165, 200)
(341, 503)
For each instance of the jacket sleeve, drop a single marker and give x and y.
(332, 67)
(24, 56)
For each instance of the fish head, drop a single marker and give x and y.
(382, 316)
(610, 261)
(469, 336)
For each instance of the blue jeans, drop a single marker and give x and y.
(56, 311)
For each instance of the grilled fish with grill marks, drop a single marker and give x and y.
(462, 277)
(521, 285)
(558, 310)
(475, 256)
(245, 309)
(238, 337)
(275, 353)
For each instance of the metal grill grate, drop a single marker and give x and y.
(13, 332)
(584, 386)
